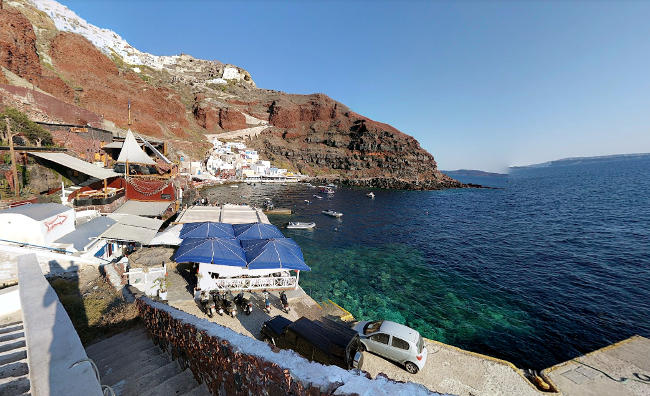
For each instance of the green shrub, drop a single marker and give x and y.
(21, 124)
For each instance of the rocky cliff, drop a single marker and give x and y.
(182, 98)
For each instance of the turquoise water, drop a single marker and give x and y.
(552, 266)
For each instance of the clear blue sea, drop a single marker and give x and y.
(553, 265)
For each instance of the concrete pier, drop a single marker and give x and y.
(618, 369)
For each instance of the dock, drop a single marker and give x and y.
(622, 368)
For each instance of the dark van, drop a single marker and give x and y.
(323, 341)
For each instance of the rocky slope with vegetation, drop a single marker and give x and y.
(181, 98)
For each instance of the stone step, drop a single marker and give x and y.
(119, 359)
(15, 369)
(16, 387)
(12, 344)
(136, 384)
(11, 327)
(142, 363)
(98, 346)
(117, 347)
(176, 385)
(13, 356)
(12, 335)
(201, 390)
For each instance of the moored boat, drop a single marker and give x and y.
(370, 194)
(301, 225)
(332, 213)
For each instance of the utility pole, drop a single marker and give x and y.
(14, 170)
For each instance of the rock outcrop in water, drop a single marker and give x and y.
(181, 98)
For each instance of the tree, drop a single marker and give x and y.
(21, 124)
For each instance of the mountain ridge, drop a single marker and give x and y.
(181, 98)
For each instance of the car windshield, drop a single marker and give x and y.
(372, 327)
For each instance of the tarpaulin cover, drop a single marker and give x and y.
(274, 253)
(212, 250)
(207, 229)
(256, 231)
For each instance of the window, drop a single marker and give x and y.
(401, 344)
(372, 327)
(383, 338)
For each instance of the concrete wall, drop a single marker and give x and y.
(230, 363)
(57, 361)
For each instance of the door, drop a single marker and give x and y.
(400, 350)
(378, 343)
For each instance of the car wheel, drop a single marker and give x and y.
(411, 368)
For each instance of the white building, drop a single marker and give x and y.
(38, 224)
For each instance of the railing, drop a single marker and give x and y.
(266, 283)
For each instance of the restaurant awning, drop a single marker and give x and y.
(169, 237)
(207, 229)
(256, 231)
(76, 164)
(274, 253)
(212, 251)
(132, 152)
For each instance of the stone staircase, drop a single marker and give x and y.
(131, 364)
(14, 371)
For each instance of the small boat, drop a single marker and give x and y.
(307, 201)
(300, 225)
(370, 194)
(331, 185)
(332, 213)
(318, 196)
(326, 190)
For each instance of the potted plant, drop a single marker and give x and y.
(163, 284)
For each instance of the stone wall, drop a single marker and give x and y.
(233, 364)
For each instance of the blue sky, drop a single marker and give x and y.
(481, 85)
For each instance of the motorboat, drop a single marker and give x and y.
(332, 213)
(370, 194)
(301, 225)
(318, 196)
(326, 190)
(307, 201)
(331, 185)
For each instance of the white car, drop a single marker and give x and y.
(395, 342)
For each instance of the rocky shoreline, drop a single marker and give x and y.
(396, 183)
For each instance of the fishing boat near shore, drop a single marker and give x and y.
(326, 190)
(300, 225)
(318, 196)
(333, 213)
(371, 195)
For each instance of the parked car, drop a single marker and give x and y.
(323, 341)
(395, 342)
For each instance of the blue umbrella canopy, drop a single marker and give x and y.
(256, 231)
(274, 253)
(207, 229)
(220, 251)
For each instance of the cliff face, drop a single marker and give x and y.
(181, 98)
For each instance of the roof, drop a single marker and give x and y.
(130, 228)
(232, 214)
(132, 152)
(169, 237)
(141, 208)
(86, 233)
(38, 211)
(75, 163)
(114, 145)
(399, 330)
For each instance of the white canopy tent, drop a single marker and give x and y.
(131, 152)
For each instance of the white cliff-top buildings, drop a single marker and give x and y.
(233, 160)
